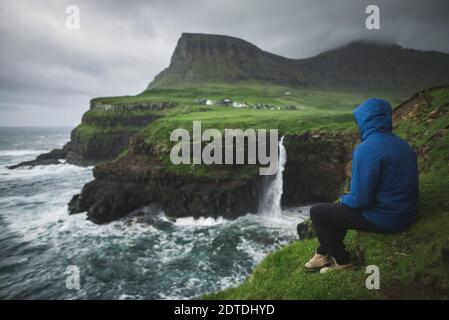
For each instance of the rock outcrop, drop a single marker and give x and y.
(53, 157)
(104, 133)
(318, 166)
(206, 58)
(140, 178)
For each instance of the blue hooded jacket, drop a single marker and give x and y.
(384, 183)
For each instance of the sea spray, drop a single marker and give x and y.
(132, 258)
(270, 204)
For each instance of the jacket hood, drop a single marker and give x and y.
(373, 115)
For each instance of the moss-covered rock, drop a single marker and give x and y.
(305, 230)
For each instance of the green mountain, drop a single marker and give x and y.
(215, 59)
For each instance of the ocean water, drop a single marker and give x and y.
(126, 259)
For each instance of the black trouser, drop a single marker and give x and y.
(331, 221)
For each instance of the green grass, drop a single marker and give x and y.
(430, 131)
(281, 276)
(440, 98)
(316, 111)
(95, 113)
(413, 264)
(221, 118)
(273, 95)
(86, 132)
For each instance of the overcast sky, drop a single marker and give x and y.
(48, 73)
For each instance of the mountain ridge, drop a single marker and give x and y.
(206, 58)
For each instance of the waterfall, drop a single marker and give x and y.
(270, 204)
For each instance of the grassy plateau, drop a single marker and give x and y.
(314, 110)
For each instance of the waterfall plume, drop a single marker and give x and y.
(270, 204)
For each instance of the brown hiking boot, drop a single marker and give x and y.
(336, 266)
(317, 262)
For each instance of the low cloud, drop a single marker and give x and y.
(49, 73)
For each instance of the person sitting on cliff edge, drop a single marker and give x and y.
(383, 193)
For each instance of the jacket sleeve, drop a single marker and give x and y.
(365, 176)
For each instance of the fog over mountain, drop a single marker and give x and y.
(49, 73)
(359, 66)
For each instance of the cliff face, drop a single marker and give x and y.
(203, 58)
(104, 133)
(361, 65)
(106, 129)
(318, 166)
(140, 179)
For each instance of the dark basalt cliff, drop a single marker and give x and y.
(140, 179)
(204, 58)
(318, 166)
(103, 134)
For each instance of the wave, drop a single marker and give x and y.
(61, 169)
(21, 152)
(199, 222)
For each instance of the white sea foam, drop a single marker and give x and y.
(200, 222)
(39, 171)
(255, 251)
(19, 153)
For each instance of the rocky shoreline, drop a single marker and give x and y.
(133, 182)
(102, 138)
(139, 179)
